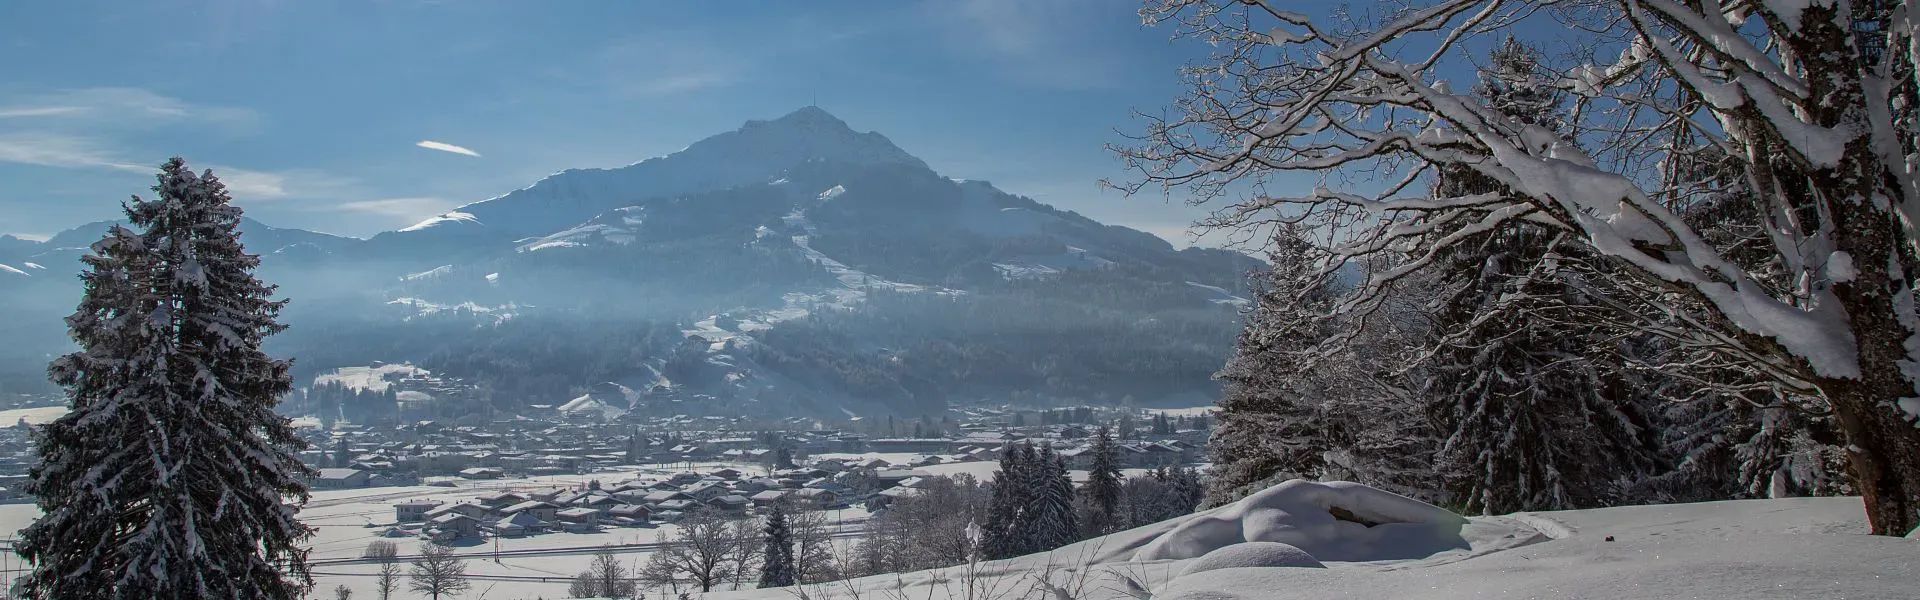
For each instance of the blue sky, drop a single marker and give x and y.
(312, 110)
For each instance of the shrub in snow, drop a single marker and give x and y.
(1335, 520)
(1253, 554)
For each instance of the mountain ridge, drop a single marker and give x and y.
(790, 265)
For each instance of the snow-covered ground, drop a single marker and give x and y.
(372, 379)
(1799, 548)
(35, 416)
(1790, 548)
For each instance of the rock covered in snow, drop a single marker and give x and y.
(1253, 554)
(1335, 520)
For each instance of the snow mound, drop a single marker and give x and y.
(1253, 554)
(1335, 520)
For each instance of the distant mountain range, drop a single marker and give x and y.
(792, 265)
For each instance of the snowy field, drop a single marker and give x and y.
(373, 379)
(1789, 549)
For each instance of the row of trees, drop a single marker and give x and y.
(1679, 273)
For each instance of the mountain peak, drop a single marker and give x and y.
(758, 151)
(811, 115)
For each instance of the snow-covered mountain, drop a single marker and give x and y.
(796, 261)
(756, 152)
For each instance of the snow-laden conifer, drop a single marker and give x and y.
(171, 477)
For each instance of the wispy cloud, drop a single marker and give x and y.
(446, 147)
(49, 149)
(122, 107)
(680, 83)
(247, 184)
(1047, 44)
(409, 208)
(31, 237)
(18, 112)
(662, 63)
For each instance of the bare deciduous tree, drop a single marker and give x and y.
(702, 551)
(1816, 109)
(812, 546)
(604, 577)
(438, 572)
(387, 580)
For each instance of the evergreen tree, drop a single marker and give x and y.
(777, 560)
(636, 449)
(1009, 507)
(1529, 421)
(1053, 523)
(1271, 426)
(342, 454)
(171, 477)
(1102, 490)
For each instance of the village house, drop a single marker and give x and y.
(471, 510)
(483, 473)
(449, 527)
(413, 511)
(769, 497)
(578, 520)
(518, 524)
(816, 497)
(543, 511)
(629, 514)
(340, 479)
(730, 503)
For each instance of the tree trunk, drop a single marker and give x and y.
(1883, 458)
(1883, 443)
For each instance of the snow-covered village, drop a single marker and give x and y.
(960, 300)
